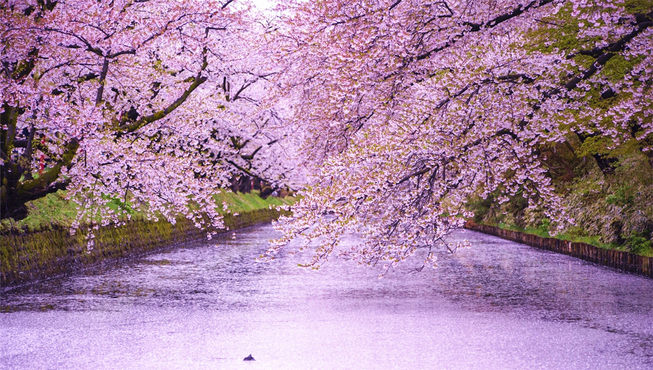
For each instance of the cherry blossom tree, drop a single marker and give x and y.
(405, 109)
(153, 104)
(412, 107)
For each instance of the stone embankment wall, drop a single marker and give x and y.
(621, 260)
(42, 254)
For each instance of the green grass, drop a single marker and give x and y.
(245, 202)
(574, 237)
(51, 210)
(54, 210)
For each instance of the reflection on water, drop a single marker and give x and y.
(498, 304)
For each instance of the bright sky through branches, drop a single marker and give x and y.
(263, 4)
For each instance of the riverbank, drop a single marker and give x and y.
(622, 260)
(43, 251)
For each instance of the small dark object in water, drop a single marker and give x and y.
(249, 358)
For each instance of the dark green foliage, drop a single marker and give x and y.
(622, 196)
(638, 244)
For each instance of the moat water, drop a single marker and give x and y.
(497, 304)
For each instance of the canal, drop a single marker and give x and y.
(497, 304)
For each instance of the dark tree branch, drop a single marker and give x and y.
(125, 127)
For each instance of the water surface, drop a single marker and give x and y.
(498, 304)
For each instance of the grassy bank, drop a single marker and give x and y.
(41, 246)
(619, 259)
(639, 247)
(54, 211)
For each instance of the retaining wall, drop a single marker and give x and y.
(42, 254)
(621, 260)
